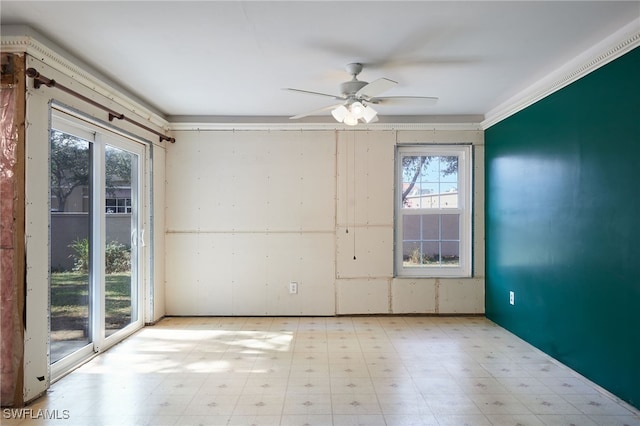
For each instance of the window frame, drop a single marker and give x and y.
(464, 152)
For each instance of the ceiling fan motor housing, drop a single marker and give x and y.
(350, 88)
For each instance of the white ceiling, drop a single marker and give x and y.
(214, 58)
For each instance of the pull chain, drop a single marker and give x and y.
(353, 141)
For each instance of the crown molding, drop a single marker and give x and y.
(612, 47)
(21, 39)
(319, 126)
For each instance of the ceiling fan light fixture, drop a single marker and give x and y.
(353, 113)
(350, 120)
(357, 109)
(340, 113)
(344, 115)
(369, 114)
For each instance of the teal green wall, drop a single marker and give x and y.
(563, 225)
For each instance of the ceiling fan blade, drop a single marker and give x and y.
(424, 100)
(315, 93)
(375, 87)
(295, 117)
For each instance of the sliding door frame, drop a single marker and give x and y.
(105, 134)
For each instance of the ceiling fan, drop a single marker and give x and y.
(356, 97)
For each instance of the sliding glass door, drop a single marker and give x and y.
(122, 234)
(96, 239)
(70, 225)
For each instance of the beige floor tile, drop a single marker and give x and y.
(355, 404)
(547, 404)
(499, 404)
(306, 419)
(410, 420)
(402, 404)
(463, 420)
(514, 419)
(447, 405)
(317, 404)
(358, 420)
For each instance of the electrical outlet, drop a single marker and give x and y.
(293, 287)
(512, 298)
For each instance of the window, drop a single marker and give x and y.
(433, 211)
(118, 205)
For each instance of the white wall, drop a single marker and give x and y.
(248, 211)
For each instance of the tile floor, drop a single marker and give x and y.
(398, 370)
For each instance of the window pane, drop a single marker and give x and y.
(431, 239)
(411, 253)
(450, 253)
(431, 253)
(430, 227)
(430, 182)
(429, 196)
(120, 285)
(70, 252)
(411, 228)
(450, 226)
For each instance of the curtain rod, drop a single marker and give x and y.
(39, 80)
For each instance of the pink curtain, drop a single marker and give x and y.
(10, 331)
